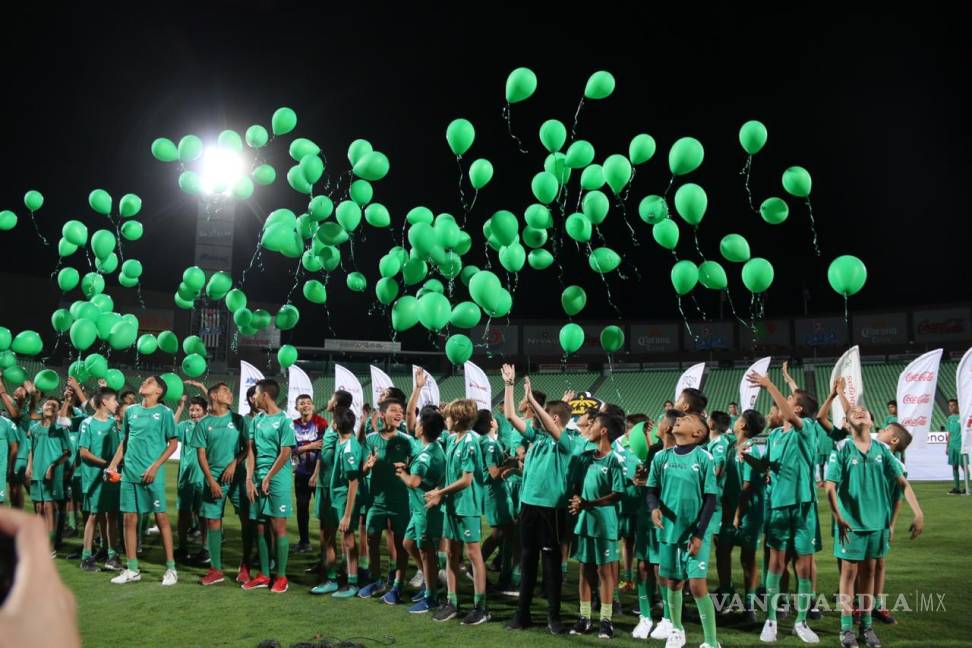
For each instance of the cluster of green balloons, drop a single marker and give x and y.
(572, 338)
(33, 201)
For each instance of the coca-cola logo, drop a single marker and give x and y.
(920, 376)
(951, 325)
(916, 399)
(916, 421)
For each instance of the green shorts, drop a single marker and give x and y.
(275, 504)
(863, 545)
(627, 525)
(102, 497)
(340, 503)
(512, 486)
(745, 536)
(324, 510)
(793, 528)
(956, 458)
(499, 508)
(379, 517)
(214, 509)
(189, 497)
(47, 490)
(17, 476)
(425, 530)
(676, 563)
(595, 551)
(463, 528)
(142, 498)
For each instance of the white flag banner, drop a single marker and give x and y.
(477, 387)
(963, 381)
(748, 393)
(430, 393)
(298, 382)
(249, 376)
(380, 381)
(347, 381)
(925, 457)
(692, 377)
(848, 368)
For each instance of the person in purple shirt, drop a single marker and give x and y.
(309, 428)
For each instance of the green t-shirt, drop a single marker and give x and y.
(7, 436)
(100, 438)
(270, 435)
(348, 460)
(633, 499)
(48, 444)
(22, 426)
(599, 477)
(493, 456)
(147, 432)
(723, 451)
(73, 439)
(388, 491)
(463, 455)
(863, 496)
(189, 470)
(222, 439)
(546, 468)
(825, 443)
(682, 481)
(329, 445)
(430, 465)
(791, 460)
(757, 484)
(954, 428)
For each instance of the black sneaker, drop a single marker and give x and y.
(101, 556)
(89, 564)
(869, 638)
(556, 627)
(477, 616)
(848, 639)
(749, 618)
(955, 491)
(616, 609)
(814, 614)
(114, 564)
(447, 612)
(607, 630)
(582, 627)
(181, 555)
(201, 557)
(316, 568)
(519, 623)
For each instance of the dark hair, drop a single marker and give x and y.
(952, 400)
(343, 419)
(806, 402)
(126, 393)
(432, 422)
(162, 385)
(753, 423)
(614, 425)
(591, 412)
(695, 399)
(893, 402)
(342, 399)
(484, 421)
(200, 401)
(101, 394)
(902, 434)
(734, 403)
(395, 393)
(383, 405)
(669, 403)
(249, 392)
(539, 396)
(560, 409)
(269, 386)
(214, 388)
(721, 421)
(705, 426)
(635, 419)
(302, 397)
(673, 415)
(613, 410)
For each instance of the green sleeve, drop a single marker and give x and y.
(168, 425)
(617, 478)
(654, 478)
(197, 438)
(710, 486)
(835, 468)
(288, 438)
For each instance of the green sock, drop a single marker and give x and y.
(398, 584)
(133, 565)
(772, 593)
(331, 573)
(804, 596)
(707, 617)
(442, 560)
(846, 622)
(215, 543)
(606, 611)
(112, 553)
(955, 477)
(563, 568)
(516, 575)
(666, 610)
(479, 600)
(629, 575)
(585, 609)
(363, 562)
(283, 550)
(85, 554)
(750, 600)
(454, 599)
(263, 549)
(866, 620)
(644, 599)
(675, 608)
(170, 564)
(353, 580)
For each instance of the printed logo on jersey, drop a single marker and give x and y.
(695, 467)
(156, 504)
(157, 416)
(283, 507)
(467, 533)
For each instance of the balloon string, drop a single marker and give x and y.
(617, 391)
(462, 194)
(746, 171)
(298, 272)
(813, 227)
(57, 266)
(671, 182)
(845, 311)
(624, 215)
(118, 237)
(577, 113)
(327, 311)
(698, 248)
(607, 286)
(508, 117)
(698, 307)
(138, 292)
(688, 327)
(471, 205)
(253, 259)
(37, 229)
(732, 307)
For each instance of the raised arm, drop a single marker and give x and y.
(8, 402)
(509, 404)
(788, 378)
(778, 398)
(410, 414)
(546, 420)
(823, 414)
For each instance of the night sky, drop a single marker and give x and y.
(871, 103)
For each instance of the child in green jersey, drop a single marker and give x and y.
(97, 445)
(190, 482)
(897, 438)
(747, 514)
(49, 452)
(18, 406)
(956, 458)
(345, 493)
(320, 481)
(497, 505)
(721, 445)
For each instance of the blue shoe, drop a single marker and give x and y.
(392, 597)
(371, 589)
(327, 587)
(421, 607)
(419, 596)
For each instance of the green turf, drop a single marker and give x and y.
(145, 614)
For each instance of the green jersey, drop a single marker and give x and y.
(723, 451)
(270, 435)
(493, 456)
(430, 465)
(47, 444)
(189, 470)
(100, 438)
(223, 438)
(463, 455)
(388, 491)
(22, 426)
(545, 469)
(147, 431)
(954, 428)
(348, 460)
(7, 437)
(757, 483)
(791, 460)
(682, 481)
(863, 497)
(326, 459)
(599, 477)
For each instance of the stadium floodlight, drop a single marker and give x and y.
(221, 170)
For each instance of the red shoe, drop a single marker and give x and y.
(212, 577)
(259, 582)
(279, 585)
(243, 577)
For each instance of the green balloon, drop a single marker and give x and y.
(331, 233)
(312, 168)
(665, 234)
(612, 339)
(540, 259)
(641, 149)
(691, 203)
(287, 317)
(418, 215)
(571, 337)
(757, 274)
(100, 201)
(122, 336)
(47, 380)
(190, 183)
(83, 334)
(545, 187)
(734, 248)
(33, 200)
(556, 165)
(414, 271)
(315, 292)
(538, 216)
(104, 303)
(638, 442)
(467, 274)
(256, 136)
(15, 375)
(774, 210)
(502, 305)
(7, 359)
(595, 206)
(520, 85)
(847, 275)
(386, 290)
(108, 265)
(372, 166)
(459, 348)
(465, 315)
(67, 279)
(302, 147)
(573, 299)
(263, 174)
(464, 244)
(164, 150)
(66, 248)
(361, 192)
(580, 154)
(147, 344)
(283, 121)
(713, 276)
(219, 284)
(377, 215)
(195, 278)
(115, 379)
(194, 365)
(460, 135)
(286, 356)
(190, 148)
(512, 257)
(653, 209)
(5, 338)
(752, 137)
(797, 182)
(446, 233)
(533, 237)
(168, 342)
(486, 289)
(174, 387)
(685, 156)
(104, 322)
(132, 230)
(553, 135)
(617, 172)
(183, 303)
(243, 318)
(604, 260)
(504, 226)
(320, 208)
(685, 275)
(405, 313)
(357, 282)
(92, 284)
(27, 343)
(62, 320)
(357, 150)
(389, 265)
(295, 178)
(75, 232)
(129, 205)
(480, 173)
(96, 365)
(85, 310)
(348, 214)
(8, 220)
(127, 282)
(579, 227)
(599, 86)
(243, 188)
(434, 311)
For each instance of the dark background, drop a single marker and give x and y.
(871, 102)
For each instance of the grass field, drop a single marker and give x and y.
(145, 614)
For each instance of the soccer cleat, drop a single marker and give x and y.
(371, 589)
(582, 627)
(519, 623)
(418, 596)
(89, 564)
(201, 557)
(114, 564)
(479, 615)
(847, 639)
(258, 582)
(181, 555)
(814, 613)
(417, 580)
(676, 639)
(327, 587)
(446, 612)
(606, 631)
(392, 597)
(348, 592)
(662, 630)
(243, 575)
(806, 635)
(768, 635)
(955, 491)
(169, 578)
(279, 585)
(127, 576)
(421, 606)
(153, 530)
(885, 616)
(102, 555)
(212, 577)
(870, 638)
(555, 626)
(643, 629)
